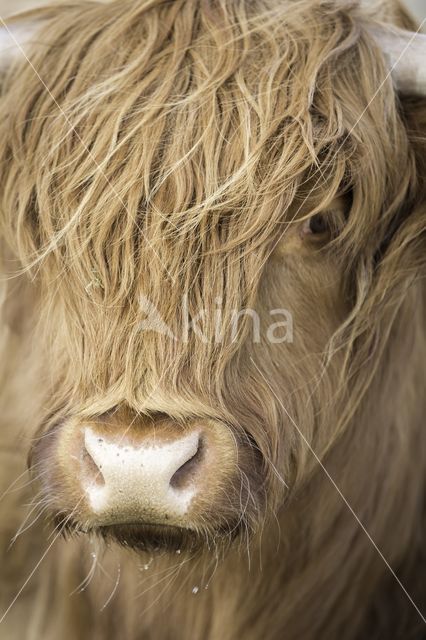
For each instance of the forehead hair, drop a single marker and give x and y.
(167, 143)
(186, 114)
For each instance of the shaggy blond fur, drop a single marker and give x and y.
(181, 147)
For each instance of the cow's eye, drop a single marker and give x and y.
(316, 225)
(327, 223)
(315, 231)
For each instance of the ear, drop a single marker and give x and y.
(15, 39)
(406, 54)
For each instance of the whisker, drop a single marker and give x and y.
(114, 589)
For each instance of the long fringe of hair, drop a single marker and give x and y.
(159, 153)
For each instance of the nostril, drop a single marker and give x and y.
(91, 471)
(186, 472)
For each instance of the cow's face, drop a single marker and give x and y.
(203, 229)
(199, 441)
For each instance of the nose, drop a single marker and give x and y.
(149, 479)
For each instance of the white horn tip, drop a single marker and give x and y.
(406, 53)
(14, 42)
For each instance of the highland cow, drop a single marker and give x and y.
(173, 175)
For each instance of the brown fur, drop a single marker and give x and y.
(195, 133)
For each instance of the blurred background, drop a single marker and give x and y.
(417, 7)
